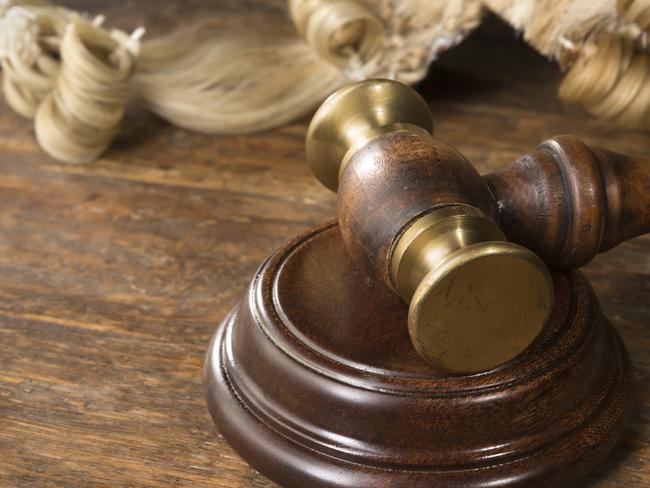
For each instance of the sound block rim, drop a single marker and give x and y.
(273, 447)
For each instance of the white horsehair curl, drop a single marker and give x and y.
(74, 76)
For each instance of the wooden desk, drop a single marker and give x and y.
(113, 275)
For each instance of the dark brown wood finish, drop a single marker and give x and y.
(394, 179)
(114, 275)
(329, 392)
(568, 201)
(565, 201)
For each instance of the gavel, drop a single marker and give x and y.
(467, 252)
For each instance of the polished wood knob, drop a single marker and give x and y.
(416, 211)
(568, 201)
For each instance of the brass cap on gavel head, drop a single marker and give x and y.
(355, 114)
(476, 300)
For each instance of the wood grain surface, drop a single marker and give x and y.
(113, 275)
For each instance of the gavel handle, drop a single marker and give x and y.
(567, 201)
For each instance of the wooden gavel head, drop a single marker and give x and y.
(418, 213)
(434, 230)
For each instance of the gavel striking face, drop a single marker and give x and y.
(419, 215)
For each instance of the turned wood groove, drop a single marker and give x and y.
(568, 201)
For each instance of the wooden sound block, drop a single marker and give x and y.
(313, 379)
